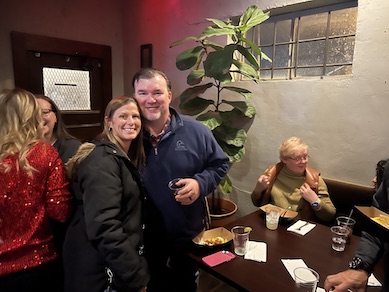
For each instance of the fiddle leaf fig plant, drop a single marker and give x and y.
(212, 69)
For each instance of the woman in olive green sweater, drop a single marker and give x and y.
(292, 183)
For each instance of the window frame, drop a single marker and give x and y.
(295, 42)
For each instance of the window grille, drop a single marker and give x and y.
(312, 42)
(69, 89)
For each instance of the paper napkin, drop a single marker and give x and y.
(372, 281)
(291, 264)
(305, 227)
(256, 251)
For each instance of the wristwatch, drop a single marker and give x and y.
(316, 205)
(358, 264)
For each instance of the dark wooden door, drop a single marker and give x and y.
(32, 53)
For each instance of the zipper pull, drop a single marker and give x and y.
(155, 150)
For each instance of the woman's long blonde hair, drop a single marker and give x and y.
(20, 127)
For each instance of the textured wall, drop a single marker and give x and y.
(343, 119)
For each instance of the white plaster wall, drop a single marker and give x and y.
(93, 21)
(344, 120)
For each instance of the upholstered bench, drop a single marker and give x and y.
(345, 195)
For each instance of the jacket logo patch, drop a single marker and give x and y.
(180, 146)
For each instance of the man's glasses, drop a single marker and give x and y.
(46, 112)
(300, 158)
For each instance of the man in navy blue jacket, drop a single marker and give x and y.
(176, 147)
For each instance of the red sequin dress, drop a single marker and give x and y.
(26, 204)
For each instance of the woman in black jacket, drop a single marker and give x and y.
(104, 241)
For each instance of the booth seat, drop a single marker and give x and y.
(345, 195)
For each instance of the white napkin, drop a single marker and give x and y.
(372, 281)
(291, 264)
(256, 251)
(304, 230)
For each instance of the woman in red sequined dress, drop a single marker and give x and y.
(33, 188)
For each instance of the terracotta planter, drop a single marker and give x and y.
(222, 211)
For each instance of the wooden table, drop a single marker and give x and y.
(314, 248)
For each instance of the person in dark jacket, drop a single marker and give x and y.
(104, 241)
(176, 147)
(55, 133)
(379, 172)
(371, 249)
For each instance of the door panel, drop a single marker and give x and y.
(32, 53)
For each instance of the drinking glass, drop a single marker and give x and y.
(339, 237)
(174, 187)
(347, 222)
(306, 279)
(272, 218)
(240, 238)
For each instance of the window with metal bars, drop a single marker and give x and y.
(313, 42)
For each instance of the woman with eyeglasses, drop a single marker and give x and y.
(54, 129)
(55, 133)
(290, 184)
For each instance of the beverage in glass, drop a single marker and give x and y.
(339, 237)
(240, 239)
(272, 218)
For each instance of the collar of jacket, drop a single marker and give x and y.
(175, 123)
(111, 148)
(311, 178)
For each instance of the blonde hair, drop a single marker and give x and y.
(20, 127)
(291, 146)
(82, 153)
(136, 152)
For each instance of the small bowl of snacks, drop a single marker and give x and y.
(213, 238)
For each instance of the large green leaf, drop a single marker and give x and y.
(231, 117)
(194, 91)
(225, 185)
(218, 63)
(188, 58)
(244, 92)
(211, 31)
(256, 49)
(231, 136)
(252, 17)
(187, 39)
(195, 106)
(211, 119)
(195, 77)
(235, 154)
(249, 56)
(213, 45)
(220, 23)
(243, 106)
(247, 70)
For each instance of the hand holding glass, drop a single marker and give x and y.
(174, 187)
